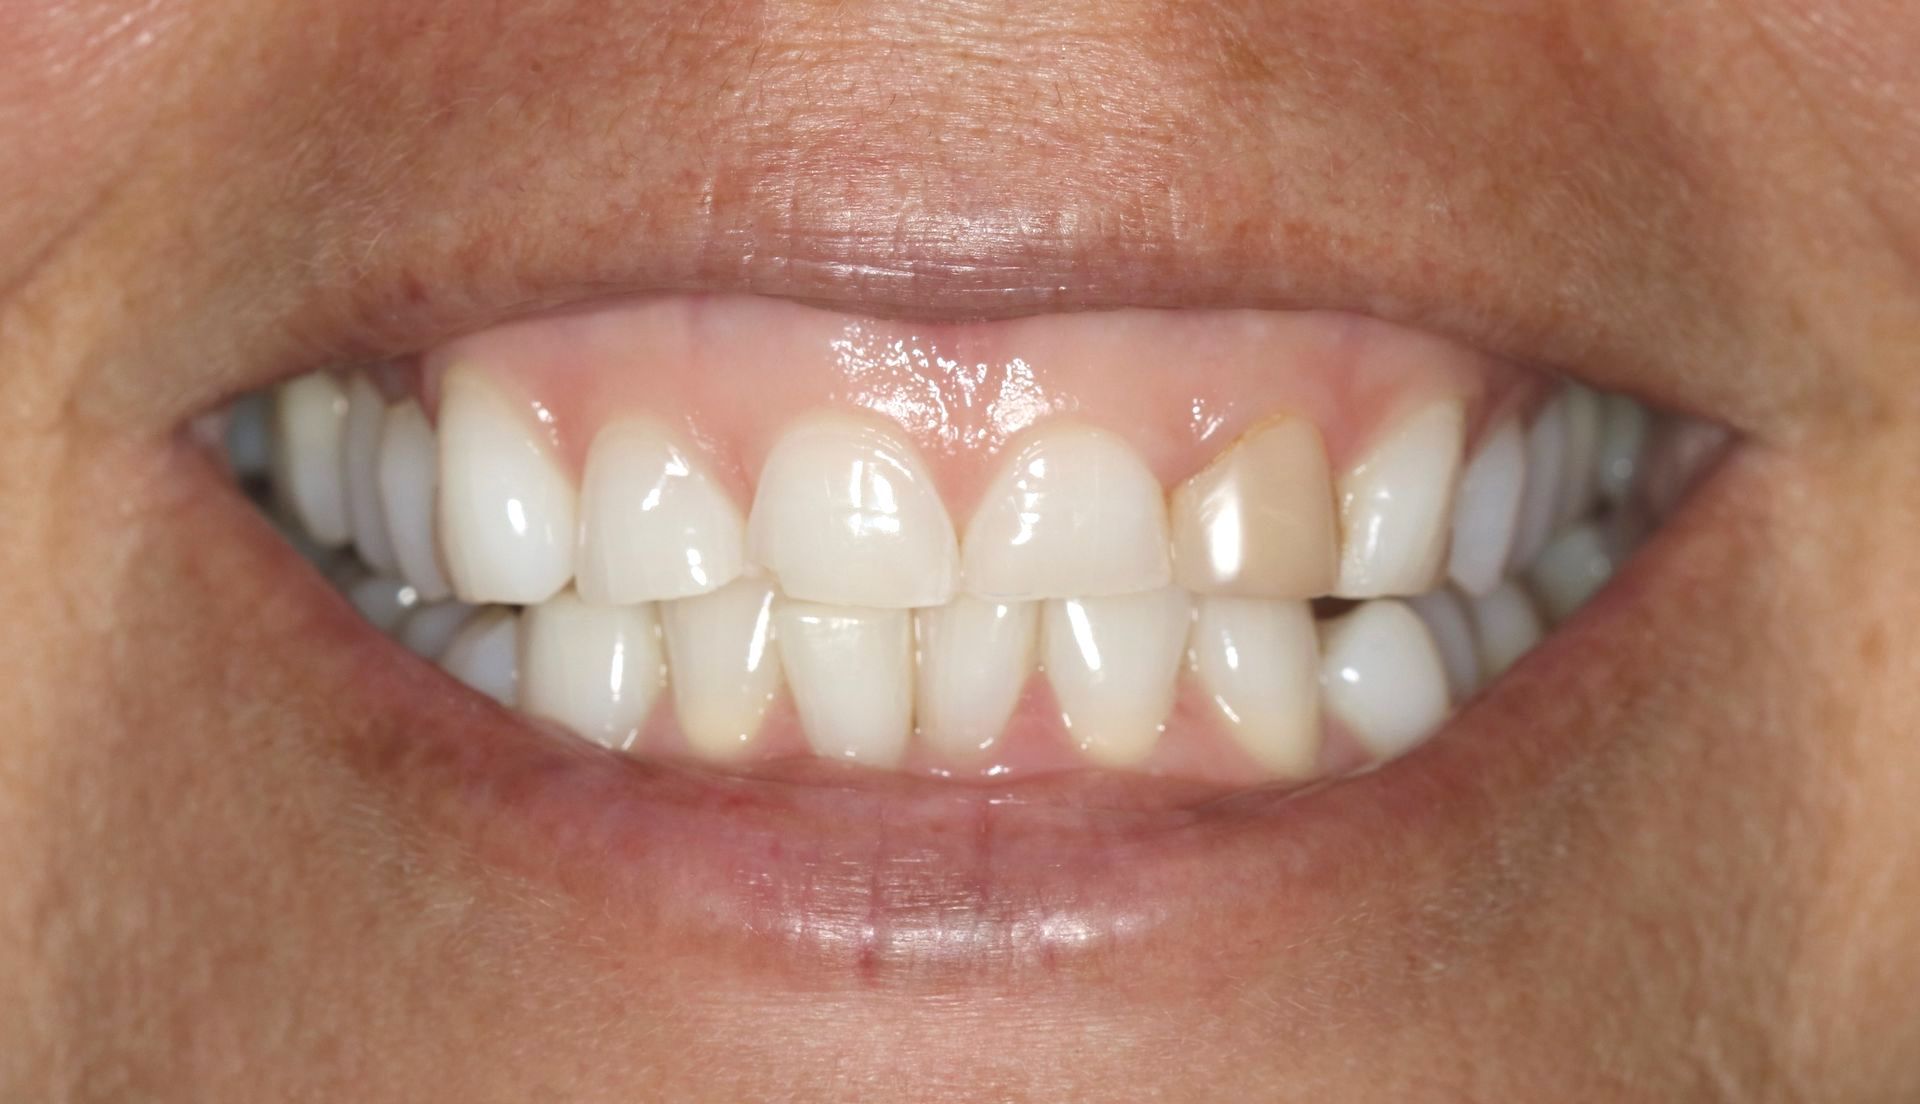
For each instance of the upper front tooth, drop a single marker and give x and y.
(846, 513)
(1396, 502)
(507, 510)
(1074, 512)
(1488, 509)
(1113, 662)
(726, 668)
(851, 673)
(1383, 676)
(975, 658)
(409, 473)
(1258, 522)
(653, 523)
(309, 427)
(595, 669)
(1260, 661)
(485, 654)
(366, 415)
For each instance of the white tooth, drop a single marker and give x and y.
(1546, 454)
(409, 474)
(382, 600)
(846, 513)
(507, 510)
(975, 658)
(1113, 662)
(1258, 522)
(1575, 565)
(1260, 662)
(1623, 437)
(360, 459)
(249, 436)
(1383, 676)
(1395, 505)
(309, 428)
(1074, 513)
(851, 673)
(1451, 627)
(1507, 627)
(485, 654)
(597, 670)
(428, 629)
(1488, 510)
(1575, 499)
(653, 523)
(726, 668)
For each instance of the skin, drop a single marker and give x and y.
(1710, 205)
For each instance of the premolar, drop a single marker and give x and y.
(409, 478)
(485, 654)
(309, 419)
(1383, 676)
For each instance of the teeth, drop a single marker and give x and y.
(1383, 676)
(1507, 627)
(409, 474)
(1074, 513)
(485, 654)
(1112, 662)
(428, 630)
(726, 670)
(366, 414)
(851, 672)
(1546, 455)
(595, 669)
(1623, 437)
(1488, 510)
(1583, 448)
(382, 600)
(1395, 505)
(1575, 565)
(847, 514)
(1258, 522)
(1260, 662)
(653, 524)
(249, 436)
(1451, 627)
(506, 508)
(309, 426)
(975, 658)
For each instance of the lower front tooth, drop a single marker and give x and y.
(595, 669)
(1113, 663)
(1383, 676)
(850, 669)
(1260, 662)
(726, 668)
(485, 654)
(975, 657)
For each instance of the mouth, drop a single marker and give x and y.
(891, 642)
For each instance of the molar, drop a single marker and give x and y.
(1258, 522)
(1572, 567)
(1113, 662)
(1546, 455)
(1396, 503)
(309, 431)
(507, 510)
(653, 523)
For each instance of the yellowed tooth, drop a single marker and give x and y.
(1259, 521)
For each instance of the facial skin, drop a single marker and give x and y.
(208, 898)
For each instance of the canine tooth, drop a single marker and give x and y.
(851, 673)
(1623, 438)
(1546, 454)
(1260, 662)
(409, 473)
(847, 514)
(507, 510)
(653, 523)
(485, 654)
(1258, 522)
(382, 600)
(1507, 626)
(1488, 510)
(975, 656)
(1583, 447)
(309, 429)
(595, 669)
(726, 667)
(1074, 512)
(428, 629)
(1451, 627)
(1113, 661)
(1395, 505)
(1572, 567)
(1383, 676)
(366, 413)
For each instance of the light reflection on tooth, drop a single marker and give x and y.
(653, 523)
(1396, 504)
(851, 674)
(1113, 662)
(1383, 676)
(382, 600)
(1573, 566)
(1259, 521)
(975, 657)
(1074, 512)
(309, 428)
(726, 666)
(1624, 425)
(1451, 627)
(847, 513)
(597, 670)
(1507, 626)
(366, 415)
(428, 629)
(485, 654)
(408, 475)
(1487, 510)
(507, 510)
(1259, 661)
(1546, 455)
